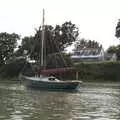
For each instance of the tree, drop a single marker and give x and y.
(56, 39)
(59, 37)
(27, 44)
(114, 49)
(82, 43)
(117, 34)
(8, 43)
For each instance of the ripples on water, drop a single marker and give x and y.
(93, 101)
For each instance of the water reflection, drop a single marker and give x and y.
(49, 105)
(101, 101)
(92, 102)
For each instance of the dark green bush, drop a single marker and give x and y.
(99, 70)
(12, 69)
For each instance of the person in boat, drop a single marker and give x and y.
(52, 78)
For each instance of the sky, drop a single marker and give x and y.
(96, 19)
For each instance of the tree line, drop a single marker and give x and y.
(83, 43)
(57, 39)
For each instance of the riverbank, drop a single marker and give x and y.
(96, 71)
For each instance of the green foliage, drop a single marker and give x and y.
(99, 71)
(27, 47)
(114, 49)
(12, 69)
(82, 43)
(117, 34)
(8, 43)
(59, 60)
(56, 40)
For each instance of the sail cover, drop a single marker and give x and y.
(57, 71)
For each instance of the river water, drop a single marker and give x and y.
(93, 101)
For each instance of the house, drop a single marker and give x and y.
(88, 54)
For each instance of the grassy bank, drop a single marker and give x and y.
(99, 71)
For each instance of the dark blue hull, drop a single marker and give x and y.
(53, 85)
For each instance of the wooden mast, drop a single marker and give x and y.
(42, 41)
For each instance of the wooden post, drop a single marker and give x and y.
(77, 75)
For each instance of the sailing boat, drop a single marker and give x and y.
(49, 82)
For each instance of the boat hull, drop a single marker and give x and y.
(52, 85)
